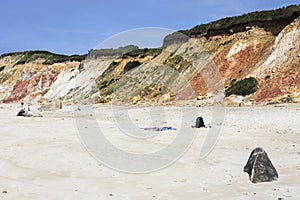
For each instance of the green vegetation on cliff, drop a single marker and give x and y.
(260, 18)
(243, 87)
(130, 56)
(50, 58)
(95, 53)
(143, 53)
(6, 75)
(131, 65)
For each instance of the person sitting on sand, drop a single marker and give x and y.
(22, 111)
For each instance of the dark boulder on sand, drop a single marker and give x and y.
(259, 167)
(199, 122)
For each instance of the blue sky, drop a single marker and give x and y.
(74, 27)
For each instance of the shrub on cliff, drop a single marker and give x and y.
(131, 65)
(243, 87)
(50, 58)
(142, 53)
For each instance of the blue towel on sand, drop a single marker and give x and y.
(164, 128)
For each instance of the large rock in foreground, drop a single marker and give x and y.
(259, 167)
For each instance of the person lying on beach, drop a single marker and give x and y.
(22, 111)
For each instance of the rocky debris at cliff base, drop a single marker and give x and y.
(51, 105)
(259, 167)
(238, 100)
(135, 99)
(167, 98)
(207, 96)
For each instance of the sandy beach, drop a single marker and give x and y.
(44, 157)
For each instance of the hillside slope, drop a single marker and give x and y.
(204, 62)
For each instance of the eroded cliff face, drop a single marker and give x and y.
(279, 74)
(236, 56)
(183, 70)
(28, 81)
(273, 60)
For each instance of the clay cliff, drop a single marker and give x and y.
(250, 59)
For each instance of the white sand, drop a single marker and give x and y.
(43, 158)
